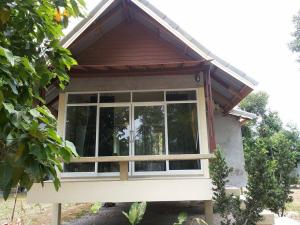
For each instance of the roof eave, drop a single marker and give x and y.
(85, 23)
(241, 113)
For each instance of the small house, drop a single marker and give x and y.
(145, 107)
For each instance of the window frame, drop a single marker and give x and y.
(131, 106)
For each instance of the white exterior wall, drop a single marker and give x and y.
(134, 190)
(229, 137)
(175, 188)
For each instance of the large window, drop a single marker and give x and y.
(81, 130)
(133, 123)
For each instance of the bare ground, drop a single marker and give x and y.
(162, 213)
(38, 214)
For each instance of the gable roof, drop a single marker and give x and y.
(169, 25)
(229, 84)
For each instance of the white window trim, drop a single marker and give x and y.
(131, 104)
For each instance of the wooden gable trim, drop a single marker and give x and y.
(243, 93)
(172, 68)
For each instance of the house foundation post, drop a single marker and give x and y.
(208, 210)
(56, 214)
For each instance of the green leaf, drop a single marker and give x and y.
(27, 64)
(4, 15)
(82, 2)
(136, 213)
(71, 147)
(181, 218)
(96, 207)
(9, 107)
(75, 8)
(8, 55)
(35, 113)
(13, 87)
(1, 99)
(56, 183)
(46, 112)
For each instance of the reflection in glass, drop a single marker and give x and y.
(113, 135)
(82, 98)
(149, 136)
(150, 96)
(81, 130)
(115, 97)
(183, 133)
(180, 95)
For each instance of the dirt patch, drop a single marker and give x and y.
(162, 213)
(38, 214)
(293, 209)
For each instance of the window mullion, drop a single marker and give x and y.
(166, 135)
(97, 137)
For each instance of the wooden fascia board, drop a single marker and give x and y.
(226, 86)
(86, 24)
(243, 93)
(95, 26)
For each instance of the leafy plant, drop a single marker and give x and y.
(219, 172)
(271, 153)
(284, 163)
(31, 59)
(229, 206)
(181, 218)
(96, 207)
(136, 212)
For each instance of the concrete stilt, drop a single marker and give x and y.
(56, 214)
(208, 210)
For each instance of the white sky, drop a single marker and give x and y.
(252, 35)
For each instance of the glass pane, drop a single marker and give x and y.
(114, 97)
(79, 167)
(151, 96)
(81, 130)
(149, 136)
(113, 135)
(180, 95)
(82, 98)
(150, 166)
(185, 165)
(183, 133)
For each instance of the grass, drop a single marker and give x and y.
(38, 214)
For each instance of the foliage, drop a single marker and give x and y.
(31, 58)
(271, 153)
(285, 161)
(181, 218)
(136, 212)
(219, 172)
(295, 44)
(229, 206)
(260, 183)
(256, 103)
